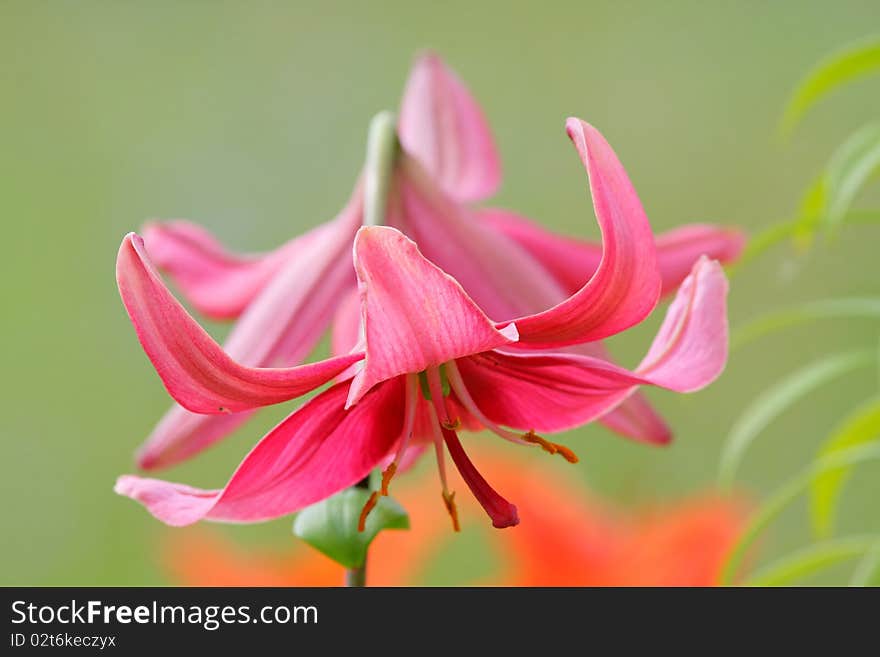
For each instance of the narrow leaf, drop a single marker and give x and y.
(867, 571)
(777, 233)
(783, 497)
(860, 428)
(849, 168)
(851, 308)
(776, 399)
(852, 63)
(811, 560)
(331, 526)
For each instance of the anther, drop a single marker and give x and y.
(551, 448)
(449, 501)
(452, 425)
(371, 503)
(387, 474)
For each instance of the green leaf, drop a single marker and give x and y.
(851, 165)
(777, 399)
(783, 497)
(852, 63)
(813, 207)
(860, 428)
(813, 559)
(853, 307)
(799, 229)
(867, 572)
(330, 526)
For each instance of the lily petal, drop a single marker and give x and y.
(679, 248)
(346, 324)
(317, 451)
(497, 273)
(196, 371)
(634, 417)
(626, 285)
(553, 392)
(690, 349)
(503, 278)
(415, 315)
(442, 125)
(573, 261)
(218, 283)
(181, 434)
(280, 327)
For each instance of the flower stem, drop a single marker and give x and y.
(358, 576)
(382, 149)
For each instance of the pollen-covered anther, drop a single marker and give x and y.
(387, 475)
(452, 425)
(550, 447)
(371, 503)
(449, 501)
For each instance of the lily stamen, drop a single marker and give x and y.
(449, 501)
(412, 401)
(371, 503)
(456, 382)
(551, 447)
(387, 474)
(464, 397)
(448, 497)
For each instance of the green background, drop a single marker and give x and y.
(251, 118)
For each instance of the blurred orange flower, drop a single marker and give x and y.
(569, 538)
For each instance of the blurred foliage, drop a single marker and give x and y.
(251, 118)
(825, 206)
(849, 64)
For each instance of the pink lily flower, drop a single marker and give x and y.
(430, 361)
(509, 265)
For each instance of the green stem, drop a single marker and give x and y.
(356, 577)
(382, 149)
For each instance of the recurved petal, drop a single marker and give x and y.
(690, 349)
(553, 392)
(279, 328)
(544, 392)
(442, 125)
(181, 434)
(415, 315)
(572, 261)
(626, 284)
(498, 274)
(317, 451)
(196, 371)
(679, 248)
(346, 331)
(634, 417)
(218, 283)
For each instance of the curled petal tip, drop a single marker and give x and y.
(146, 459)
(510, 332)
(428, 56)
(124, 485)
(626, 285)
(194, 368)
